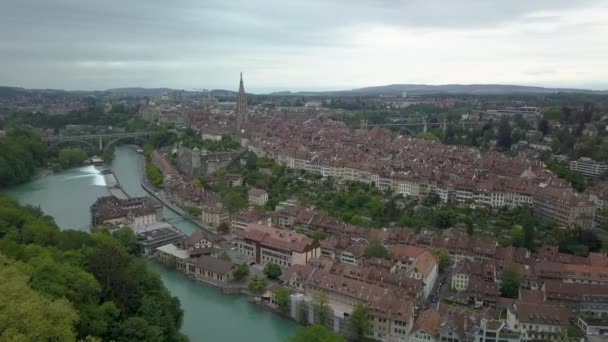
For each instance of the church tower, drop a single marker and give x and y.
(242, 115)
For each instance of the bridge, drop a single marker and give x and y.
(423, 122)
(92, 140)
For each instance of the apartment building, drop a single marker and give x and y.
(240, 220)
(537, 322)
(264, 245)
(588, 167)
(416, 262)
(564, 207)
(135, 212)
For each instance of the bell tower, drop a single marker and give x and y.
(242, 116)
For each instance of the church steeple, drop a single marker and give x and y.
(242, 116)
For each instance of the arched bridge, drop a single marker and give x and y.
(100, 141)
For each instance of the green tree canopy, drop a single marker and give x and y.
(443, 258)
(316, 333)
(359, 321)
(376, 250)
(510, 282)
(25, 315)
(281, 296)
(257, 284)
(240, 272)
(272, 271)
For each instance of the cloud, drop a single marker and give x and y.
(300, 44)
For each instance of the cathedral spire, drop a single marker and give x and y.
(242, 116)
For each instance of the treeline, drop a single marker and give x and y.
(119, 116)
(562, 170)
(154, 175)
(70, 285)
(192, 139)
(21, 153)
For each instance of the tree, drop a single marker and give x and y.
(504, 134)
(240, 272)
(105, 284)
(444, 218)
(225, 256)
(443, 258)
(138, 329)
(251, 161)
(69, 157)
(510, 282)
(154, 175)
(320, 304)
(544, 127)
(427, 136)
(319, 235)
(375, 249)
(530, 237)
(431, 200)
(224, 228)
(359, 321)
(281, 296)
(28, 316)
(316, 333)
(257, 284)
(517, 236)
(272, 271)
(128, 239)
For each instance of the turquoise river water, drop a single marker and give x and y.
(209, 315)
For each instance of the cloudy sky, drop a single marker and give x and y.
(302, 44)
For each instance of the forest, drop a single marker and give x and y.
(67, 285)
(119, 116)
(21, 154)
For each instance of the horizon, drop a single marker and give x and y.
(314, 45)
(296, 90)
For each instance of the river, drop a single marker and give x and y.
(209, 315)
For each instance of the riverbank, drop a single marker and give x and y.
(209, 315)
(159, 195)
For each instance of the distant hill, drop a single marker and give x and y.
(138, 92)
(422, 89)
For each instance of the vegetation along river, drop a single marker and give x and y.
(208, 314)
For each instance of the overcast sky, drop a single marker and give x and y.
(302, 44)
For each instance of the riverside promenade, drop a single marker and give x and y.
(159, 195)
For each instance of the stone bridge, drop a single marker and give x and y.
(99, 141)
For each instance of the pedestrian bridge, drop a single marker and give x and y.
(100, 141)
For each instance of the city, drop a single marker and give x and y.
(394, 213)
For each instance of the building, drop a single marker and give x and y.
(588, 167)
(201, 239)
(426, 327)
(135, 212)
(564, 207)
(264, 245)
(209, 269)
(156, 235)
(242, 114)
(257, 197)
(465, 271)
(244, 217)
(214, 215)
(590, 300)
(595, 329)
(344, 249)
(197, 162)
(415, 262)
(537, 322)
(492, 330)
(172, 255)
